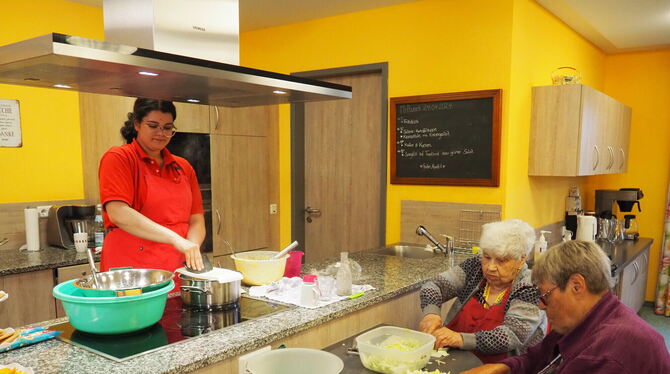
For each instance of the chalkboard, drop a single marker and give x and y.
(446, 139)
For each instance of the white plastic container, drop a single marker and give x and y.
(394, 350)
(295, 361)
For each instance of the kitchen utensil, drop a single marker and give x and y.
(293, 264)
(94, 271)
(309, 292)
(220, 289)
(80, 241)
(390, 349)
(587, 228)
(630, 227)
(123, 282)
(285, 250)
(207, 265)
(258, 267)
(229, 246)
(111, 315)
(295, 361)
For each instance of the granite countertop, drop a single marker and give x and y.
(391, 277)
(15, 261)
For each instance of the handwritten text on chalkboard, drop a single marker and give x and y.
(449, 139)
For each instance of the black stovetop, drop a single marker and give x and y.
(177, 324)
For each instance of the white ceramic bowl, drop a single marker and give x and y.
(295, 361)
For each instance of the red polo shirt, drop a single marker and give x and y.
(122, 170)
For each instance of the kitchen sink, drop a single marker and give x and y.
(410, 250)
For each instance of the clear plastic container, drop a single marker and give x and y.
(394, 350)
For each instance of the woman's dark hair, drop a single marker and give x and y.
(141, 108)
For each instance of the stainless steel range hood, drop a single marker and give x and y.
(87, 65)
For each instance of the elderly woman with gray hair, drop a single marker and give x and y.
(591, 330)
(495, 312)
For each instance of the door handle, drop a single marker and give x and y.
(216, 111)
(611, 151)
(218, 216)
(623, 158)
(310, 210)
(597, 154)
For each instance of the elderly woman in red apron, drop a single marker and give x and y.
(151, 199)
(496, 310)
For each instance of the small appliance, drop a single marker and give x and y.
(65, 220)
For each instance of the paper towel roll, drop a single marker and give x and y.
(32, 220)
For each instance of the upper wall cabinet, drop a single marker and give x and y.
(249, 121)
(577, 130)
(192, 118)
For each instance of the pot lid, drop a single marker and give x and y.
(220, 275)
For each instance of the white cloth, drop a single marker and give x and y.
(288, 290)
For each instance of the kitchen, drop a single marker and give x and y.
(513, 45)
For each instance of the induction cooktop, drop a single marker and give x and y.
(178, 324)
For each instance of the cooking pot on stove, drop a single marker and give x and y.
(214, 289)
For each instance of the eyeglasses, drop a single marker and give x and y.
(167, 130)
(543, 297)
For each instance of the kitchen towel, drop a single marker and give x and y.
(287, 290)
(32, 221)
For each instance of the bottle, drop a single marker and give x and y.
(343, 276)
(99, 227)
(540, 245)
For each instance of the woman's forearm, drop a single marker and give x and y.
(135, 223)
(196, 229)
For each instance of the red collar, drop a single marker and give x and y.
(165, 153)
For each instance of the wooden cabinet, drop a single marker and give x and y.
(633, 281)
(250, 121)
(240, 193)
(577, 130)
(30, 299)
(192, 118)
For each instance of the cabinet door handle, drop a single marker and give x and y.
(216, 112)
(218, 217)
(623, 158)
(611, 151)
(637, 268)
(597, 154)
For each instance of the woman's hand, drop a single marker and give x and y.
(191, 251)
(445, 337)
(430, 323)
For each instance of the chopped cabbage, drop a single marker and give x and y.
(427, 372)
(388, 365)
(439, 353)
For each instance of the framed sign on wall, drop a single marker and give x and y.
(10, 123)
(446, 139)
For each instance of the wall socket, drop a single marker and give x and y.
(43, 211)
(273, 209)
(244, 360)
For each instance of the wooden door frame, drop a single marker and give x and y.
(298, 146)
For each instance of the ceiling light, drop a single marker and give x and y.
(279, 92)
(193, 100)
(62, 86)
(148, 73)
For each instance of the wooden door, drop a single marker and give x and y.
(344, 164)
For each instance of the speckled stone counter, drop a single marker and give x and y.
(15, 262)
(391, 276)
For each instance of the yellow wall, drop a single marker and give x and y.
(642, 81)
(540, 44)
(431, 46)
(48, 165)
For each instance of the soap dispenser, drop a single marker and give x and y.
(540, 245)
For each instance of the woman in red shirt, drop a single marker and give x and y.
(151, 199)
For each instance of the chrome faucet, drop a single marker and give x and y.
(421, 231)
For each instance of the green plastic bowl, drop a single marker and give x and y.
(111, 315)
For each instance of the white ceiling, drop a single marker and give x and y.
(258, 14)
(613, 25)
(616, 25)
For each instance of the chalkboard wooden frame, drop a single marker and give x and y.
(495, 127)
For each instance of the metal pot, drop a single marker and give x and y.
(208, 294)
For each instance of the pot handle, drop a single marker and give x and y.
(193, 289)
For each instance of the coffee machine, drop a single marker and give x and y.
(65, 220)
(625, 198)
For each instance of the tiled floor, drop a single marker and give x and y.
(660, 323)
